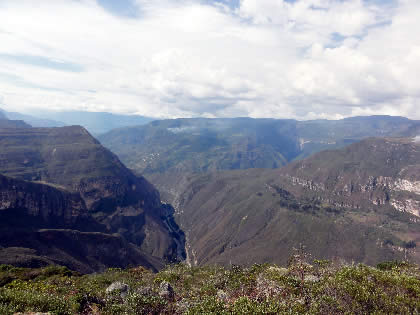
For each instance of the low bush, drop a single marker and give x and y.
(313, 287)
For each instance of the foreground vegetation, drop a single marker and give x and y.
(316, 288)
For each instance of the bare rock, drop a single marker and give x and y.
(166, 291)
(120, 287)
(222, 295)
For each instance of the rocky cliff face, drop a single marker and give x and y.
(376, 171)
(41, 206)
(42, 225)
(71, 160)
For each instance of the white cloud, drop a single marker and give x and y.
(266, 58)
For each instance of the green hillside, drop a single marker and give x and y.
(202, 145)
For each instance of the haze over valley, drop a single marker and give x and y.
(209, 157)
(237, 190)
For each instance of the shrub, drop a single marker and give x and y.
(393, 287)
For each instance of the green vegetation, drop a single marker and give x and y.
(201, 145)
(318, 287)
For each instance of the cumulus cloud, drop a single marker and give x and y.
(300, 59)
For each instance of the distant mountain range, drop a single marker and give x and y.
(95, 122)
(202, 145)
(234, 191)
(34, 121)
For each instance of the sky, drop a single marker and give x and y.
(301, 59)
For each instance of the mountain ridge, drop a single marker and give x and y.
(259, 215)
(203, 145)
(69, 159)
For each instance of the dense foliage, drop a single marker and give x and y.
(319, 287)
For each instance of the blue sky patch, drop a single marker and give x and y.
(44, 62)
(233, 4)
(123, 8)
(19, 81)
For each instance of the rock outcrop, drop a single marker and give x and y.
(26, 204)
(374, 171)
